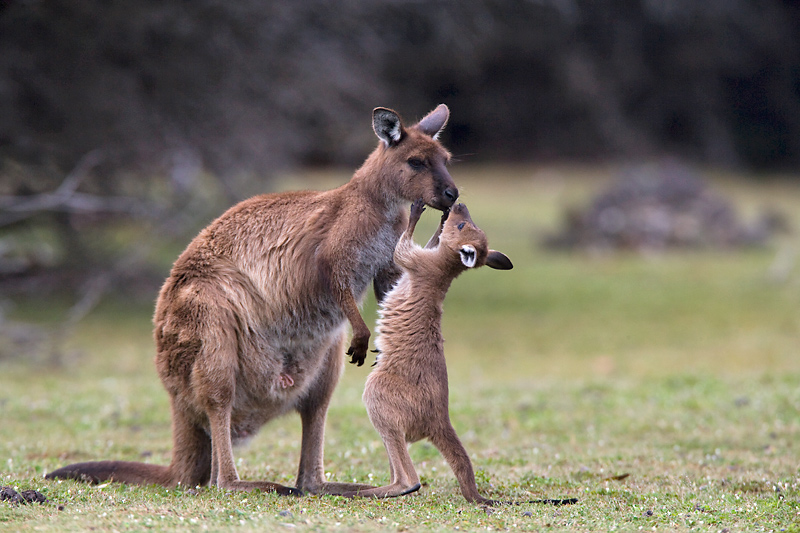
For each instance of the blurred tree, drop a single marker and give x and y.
(114, 109)
(241, 88)
(248, 87)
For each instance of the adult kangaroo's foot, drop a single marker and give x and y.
(338, 489)
(263, 486)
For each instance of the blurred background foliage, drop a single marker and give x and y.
(249, 87)
(162, 113)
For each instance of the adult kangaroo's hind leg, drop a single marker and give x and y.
(227, 476)
(191, 450)
(313, 411)
(214, 383)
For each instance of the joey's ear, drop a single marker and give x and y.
(498, 261)
(387, 125)
(468, 255)
(435, 121)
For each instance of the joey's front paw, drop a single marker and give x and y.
(417, 208)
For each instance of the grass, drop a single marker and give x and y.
(662, 391)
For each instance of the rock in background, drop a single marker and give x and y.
(661, 206)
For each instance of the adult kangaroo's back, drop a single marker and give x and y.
(250, 323)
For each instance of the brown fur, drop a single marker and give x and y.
(250, 323)
(407, 393)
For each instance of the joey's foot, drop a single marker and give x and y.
(545, 501)
(417, 208)
(556, 501)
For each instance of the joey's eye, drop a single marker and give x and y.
(461, 226)
(416, 164)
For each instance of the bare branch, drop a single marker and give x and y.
(79, 173)
(67, 199)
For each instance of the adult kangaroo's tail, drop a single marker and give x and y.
(121, 471)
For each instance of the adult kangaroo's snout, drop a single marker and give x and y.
(450, 196)
(448, 192)
(446, 199)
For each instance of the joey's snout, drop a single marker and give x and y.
(461, 211)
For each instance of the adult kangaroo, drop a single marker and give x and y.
(251, 322)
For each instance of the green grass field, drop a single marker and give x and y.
(663, 391)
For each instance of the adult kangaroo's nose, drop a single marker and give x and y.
(451, 193)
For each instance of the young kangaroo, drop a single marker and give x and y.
(406, 394)
(250, 323)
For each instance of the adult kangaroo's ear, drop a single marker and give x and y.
(435, 121)
(498, 261)
(387, 125)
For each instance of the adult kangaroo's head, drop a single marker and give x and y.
(413, 162)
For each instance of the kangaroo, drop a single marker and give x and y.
(406, 395)
(251, 322)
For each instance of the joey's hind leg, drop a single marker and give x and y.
(448, 443)
(404, 478)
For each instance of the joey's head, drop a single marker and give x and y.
(413, 160)
(465, 243)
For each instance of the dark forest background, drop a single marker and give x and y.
(248, 87)
(120, 110)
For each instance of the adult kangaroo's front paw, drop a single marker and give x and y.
(417, 208)
(358, 350)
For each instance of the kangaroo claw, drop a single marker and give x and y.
(417, 208)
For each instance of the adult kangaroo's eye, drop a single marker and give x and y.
(416, 164)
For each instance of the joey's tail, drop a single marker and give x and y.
(120, 471)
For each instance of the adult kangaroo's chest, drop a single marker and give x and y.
(302, 270)
(372, 256)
